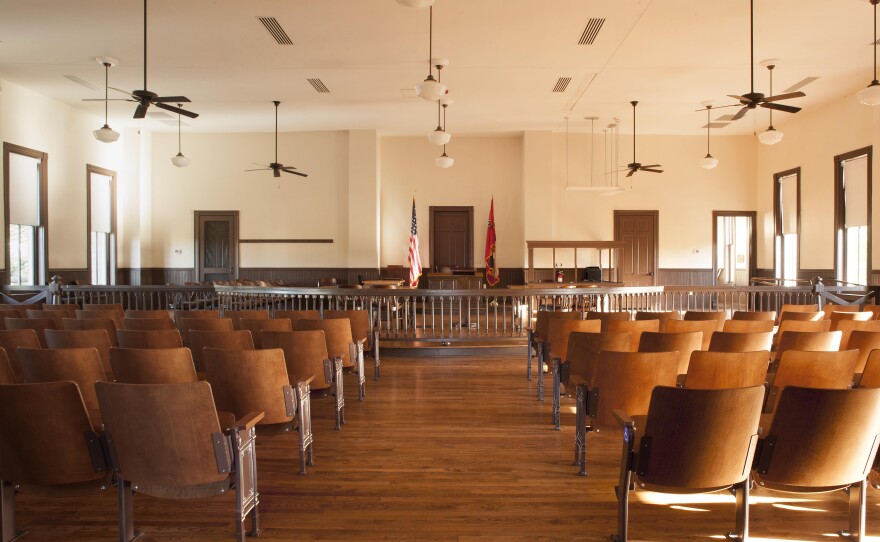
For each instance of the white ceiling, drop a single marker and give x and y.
(505, 57)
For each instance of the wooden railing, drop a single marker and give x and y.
(448, 316)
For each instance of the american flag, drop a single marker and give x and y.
(415, 260)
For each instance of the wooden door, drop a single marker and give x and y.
(451, 230)
(216, 245)
(640, 230)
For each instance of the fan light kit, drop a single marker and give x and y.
(179, 159)
(871, 94)
(418, 4)
(430, 89)
(105, 134)
(708, 161)
(770, 136)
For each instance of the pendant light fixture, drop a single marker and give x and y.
(105, 134)
(444, 160)
(430, 89)
(709, 161)
(440, 136)
(179, 159)
(770, 136)
(871, 94)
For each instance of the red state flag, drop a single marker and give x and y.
(492, 277)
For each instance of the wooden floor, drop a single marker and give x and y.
(449, 448)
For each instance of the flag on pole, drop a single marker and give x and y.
(492, 277)
(415, 260)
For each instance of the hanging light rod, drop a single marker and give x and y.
(708, 161)
(105, 134)
(871, 94)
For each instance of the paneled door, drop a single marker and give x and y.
(216, 245)
(639, 229)
(451, 230)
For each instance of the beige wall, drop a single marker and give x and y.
(484, 166)
(812, 139)
(36, 122)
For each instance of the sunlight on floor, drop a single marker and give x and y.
(666, 499)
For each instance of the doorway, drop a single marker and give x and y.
(734, 245)
(452, 238)
(640, 230)
(216, 245)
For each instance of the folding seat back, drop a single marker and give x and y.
(255, 327)
(237, 315)
(682, 343)
(748, 326)
(86, 338)
(707, 327)
(718, 370)
(726, 341)
(662, 316)
(39, 325)
(224, 340)
(754, 315)
(153, 366)
(159, 338)
(635, 328)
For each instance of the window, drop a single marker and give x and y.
(787, 208)
(101, 197)
(852, 216)
(26, 214)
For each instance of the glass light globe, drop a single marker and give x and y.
(870, 95)
(444, 161)
(439, 137)
(430, 89)
(708, 162)
(105, 134)
(180, 160)
(770, 136)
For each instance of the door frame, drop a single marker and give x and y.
(469, 250)
(753, 241)
(656, 215)
(111, 271)
(840, 210)
(197, 238)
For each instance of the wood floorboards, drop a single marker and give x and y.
(451, 448)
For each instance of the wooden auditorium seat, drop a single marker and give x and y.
(249, 314)
(241, 339)
(814, 341)
(161, 314)
(707, 327)
(193, 464)
(101, 313)
(257, 326)
(147, 323)
(754, 315)
(682, 343)
(538, 336)
(80, 365)
(153, 366)
(557, 348)
(10, 340)
(107, 324)
(716, 370)
(664, 317)
(635, 328)
(7, 375)
(149, 339)
(748, 326)
(39, 325)
(85, 338)
(717, 316)
(725, 341)
(661, 455)
(184, 325)
(116, 307)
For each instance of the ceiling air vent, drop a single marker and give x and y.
(271, 24)
(799, 85)
(81, 82)
(562, 84)
(591, 31)
(319, 85)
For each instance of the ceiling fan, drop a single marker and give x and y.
(144, 98)
(753, 99)
(276, 167)
(635, 166)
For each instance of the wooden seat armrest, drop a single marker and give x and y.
(248, 421)
(624, 419)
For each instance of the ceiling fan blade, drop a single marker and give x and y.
(630, 174)
(120, 90)
(173, 99)
(107, 100)
(260, 169)
(741, 113)
(784, 96)
(173, 109)
(287, 170)
(652, 170)
(650, 165)
(141, 111)
(740, 98)
(282, 166)
(780, 107)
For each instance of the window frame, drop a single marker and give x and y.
(840, 210)
(778, 260)
(41, 248)
(111, 237)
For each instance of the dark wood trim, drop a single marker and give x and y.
(285, 240)
(656, 215)
(777, 216)
(111, 272)
(753, 240)
(840, 209)
(469, 251)
(197, 215)
(41, 257)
